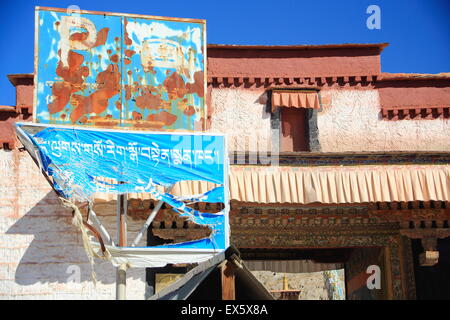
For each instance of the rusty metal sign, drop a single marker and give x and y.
(119, 70)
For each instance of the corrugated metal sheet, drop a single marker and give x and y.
(119, 70)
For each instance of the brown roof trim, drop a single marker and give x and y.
(21, 78)
(7, 109)
(350, 158)
(300, 82)
(381, 46)
(415, 112)
(414, 76)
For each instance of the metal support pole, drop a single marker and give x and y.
(105, 235)
(121, 273)
(121, 282)
(149, 219)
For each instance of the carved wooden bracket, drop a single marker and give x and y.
(425, 224)
(430, 256)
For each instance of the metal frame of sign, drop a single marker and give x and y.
(103, 123)
(126, 250)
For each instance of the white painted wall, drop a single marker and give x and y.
(349, 121)
(353, 122)
(39, 245)
(241, 114)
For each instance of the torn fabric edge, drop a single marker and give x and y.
(91, 250)
(213, 195)
(38, 146)
(155, 258)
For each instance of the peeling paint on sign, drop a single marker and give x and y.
(119, 70)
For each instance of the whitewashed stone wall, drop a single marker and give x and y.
(352, 122)
(241, 114)
(349, 121)
(40, 250)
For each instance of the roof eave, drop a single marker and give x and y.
(17, 78)
(380, 46)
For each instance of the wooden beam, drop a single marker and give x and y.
(122, 207)
(228, 281)
(388, 273)
(121, 271)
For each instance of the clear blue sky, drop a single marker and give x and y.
(418, 31)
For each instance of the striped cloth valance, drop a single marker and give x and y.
(295, 99)
(345, 184)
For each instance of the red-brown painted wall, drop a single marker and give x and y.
(23, 111)
(24, 97)
(293, 62)
(419, 93)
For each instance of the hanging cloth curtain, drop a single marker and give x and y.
(295, 99)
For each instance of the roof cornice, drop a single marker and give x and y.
(380, 46)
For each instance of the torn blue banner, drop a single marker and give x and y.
(82, 162)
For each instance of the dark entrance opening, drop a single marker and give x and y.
(433, 282)
(300, 274)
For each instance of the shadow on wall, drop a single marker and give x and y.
(56, 254)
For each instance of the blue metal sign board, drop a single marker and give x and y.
(119, 70)
(81, 162)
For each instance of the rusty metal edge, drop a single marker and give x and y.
(205, 80)
(36, 55)
(109, 129)
(130, 15)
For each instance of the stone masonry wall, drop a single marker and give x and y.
(349, 120)
(41, 252)
(241, 114)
